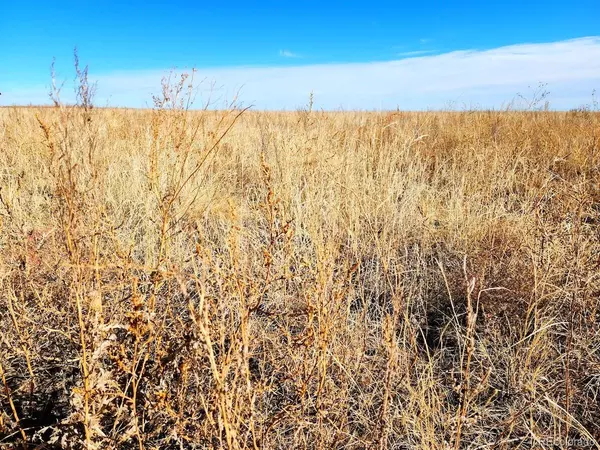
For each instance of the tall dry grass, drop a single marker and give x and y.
(212, 279)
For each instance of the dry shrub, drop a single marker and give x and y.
(178, 278)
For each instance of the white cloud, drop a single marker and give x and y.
(288, 54)
(488, 78)
(414, 53)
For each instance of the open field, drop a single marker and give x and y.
(219, 279)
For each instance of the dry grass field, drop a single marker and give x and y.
(242, 279)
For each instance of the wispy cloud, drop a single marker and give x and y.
(415, 53)
(487, 78)
(288, 54)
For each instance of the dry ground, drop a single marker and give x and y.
(173, 279)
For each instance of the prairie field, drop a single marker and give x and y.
(174, 278)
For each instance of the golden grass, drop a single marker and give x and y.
(178, 279)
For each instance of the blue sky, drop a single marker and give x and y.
(352, 54)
